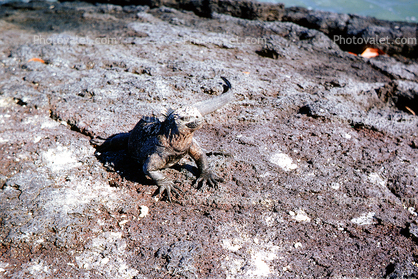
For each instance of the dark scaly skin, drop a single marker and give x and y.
(158, 145)
(162, 149)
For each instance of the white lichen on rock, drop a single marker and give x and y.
(107, 254)
(283, 161)
(364, 219)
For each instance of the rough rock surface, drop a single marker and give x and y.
(354, 32)
(319, 149)
(351, 32)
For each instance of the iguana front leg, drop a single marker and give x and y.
(206, 175)
(152, 167)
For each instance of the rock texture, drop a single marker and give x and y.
(318, 150)
(351, 32)
(355, 33)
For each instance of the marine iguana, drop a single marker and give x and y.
(160, 144)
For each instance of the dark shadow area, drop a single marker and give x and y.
(121, 163)
(407, 103)
(268, 52)
(403, 97)
(390, 268)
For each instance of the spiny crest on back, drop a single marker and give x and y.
(166, 112)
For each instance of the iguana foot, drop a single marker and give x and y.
(168, 187)
(207, 178)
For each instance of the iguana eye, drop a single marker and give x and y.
(185, 118)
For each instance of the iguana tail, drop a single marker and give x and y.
(209, 106)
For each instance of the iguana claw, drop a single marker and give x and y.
(207, 178)
(168, 187)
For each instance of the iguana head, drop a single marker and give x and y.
(190, 118)
(187, 119)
